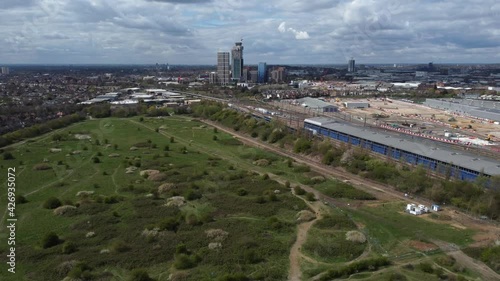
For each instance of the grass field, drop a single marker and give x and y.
(232, 219)
(119, 207)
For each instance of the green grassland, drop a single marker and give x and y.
(121, 221)
(119, 207)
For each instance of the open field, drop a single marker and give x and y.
(236, 215)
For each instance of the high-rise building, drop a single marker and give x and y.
(254, 76)
(212, 78)
(278, 75)
(244, 76)
(5, 70)
(351, 65)
(262, 72)
(237, 61)
(223, 68)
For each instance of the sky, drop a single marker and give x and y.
(273, 31)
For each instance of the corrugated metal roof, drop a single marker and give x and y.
(448, 155)
(314, 103)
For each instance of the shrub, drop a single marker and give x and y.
(426, 267)
(119, 246)
(52, 203)
(260, 199)
(96, 160)
(234, 277)
(50, 240)
(20, 199)
(170, 224)
(69, 247)
(310, 196)
(397, 277)
(191, 195)
(242, 192)
(183, 261)
(139, 275)
(172, 139)
(8, 156)
(299, 190)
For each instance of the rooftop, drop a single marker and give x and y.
(441, 153)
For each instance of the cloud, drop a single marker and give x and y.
(191, 31)
(299, 35)
(181, 1)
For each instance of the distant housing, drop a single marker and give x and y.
(442, 160)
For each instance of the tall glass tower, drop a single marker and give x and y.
(262, 72)
(237, 62)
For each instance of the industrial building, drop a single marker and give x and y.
(442, 160)
(476, 108)
(317, 105)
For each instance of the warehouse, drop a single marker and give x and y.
(317, 105)
(442, 160)
(478, 109)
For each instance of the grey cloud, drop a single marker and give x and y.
(182, 1)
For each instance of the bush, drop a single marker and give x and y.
(52, 203)
(139, 275)
(50, 240)
(96, 160)
(234, 277)
(119, 246)
(20, 199)
(69, 247)
(8, 156)
(170, 224)
(183, 261)
(397, 277)
(242, 192)
(299, 190)
(426, 267)
(310, 196)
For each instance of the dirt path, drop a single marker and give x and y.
(461, 258)
(295, 273)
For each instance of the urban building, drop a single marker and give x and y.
(5, 70)
(442, 160)
(262, 72)
(351, 65)
(317, 105)
(278, 75)
(212, 78)
(356, 104)
(237, 61)
(244, 77)
(254, 76)
(223, 68)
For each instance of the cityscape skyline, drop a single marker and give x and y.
(284, 32)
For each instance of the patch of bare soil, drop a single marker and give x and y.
(422, 246)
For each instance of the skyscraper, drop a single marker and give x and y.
(237, 61)
(223, 68)
(262, 72)
(351, 66)
(5, 70)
